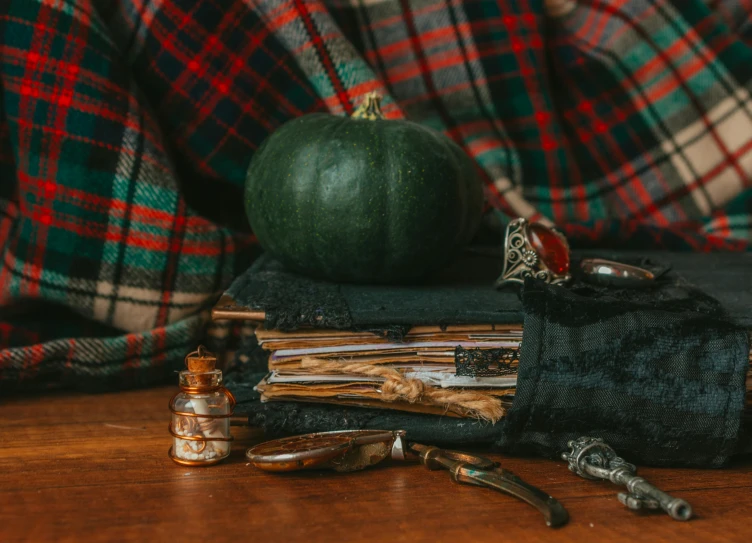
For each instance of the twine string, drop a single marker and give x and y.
(397, 387)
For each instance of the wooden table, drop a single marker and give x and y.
(95, 468)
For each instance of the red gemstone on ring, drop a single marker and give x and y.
(551, 248)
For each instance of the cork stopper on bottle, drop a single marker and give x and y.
(201, 362)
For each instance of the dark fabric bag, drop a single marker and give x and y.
(660, 375)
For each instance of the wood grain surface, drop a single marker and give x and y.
(95, 468)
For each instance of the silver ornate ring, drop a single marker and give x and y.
(534, 250)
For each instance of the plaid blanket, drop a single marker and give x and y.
(126, 127)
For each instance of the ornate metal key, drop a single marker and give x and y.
(591, 458)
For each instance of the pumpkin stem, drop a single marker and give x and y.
(370, 108)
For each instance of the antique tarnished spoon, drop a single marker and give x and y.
(357, 449)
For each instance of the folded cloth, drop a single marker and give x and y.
(460, 294)
(659, 373)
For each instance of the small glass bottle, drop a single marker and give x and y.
(201, 413)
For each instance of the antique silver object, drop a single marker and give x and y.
(522, 260)
(591, 458)
(615, 274)
(358, 449)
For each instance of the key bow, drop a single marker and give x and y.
(599, 457)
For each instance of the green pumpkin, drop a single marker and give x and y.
(362, 198)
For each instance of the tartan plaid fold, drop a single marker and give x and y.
(126, 128)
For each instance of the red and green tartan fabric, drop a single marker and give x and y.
(126, 127)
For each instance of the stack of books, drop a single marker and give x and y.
(447, 347)
(419, 373)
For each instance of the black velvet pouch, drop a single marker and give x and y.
(660, 374)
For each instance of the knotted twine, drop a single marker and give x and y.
(397, 387)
